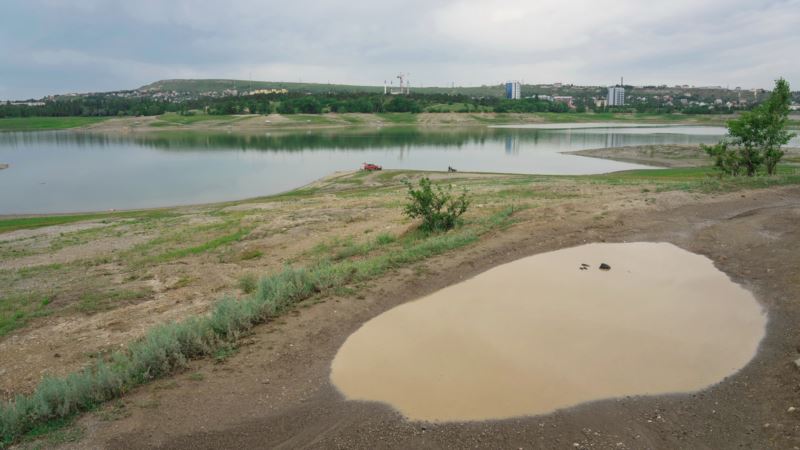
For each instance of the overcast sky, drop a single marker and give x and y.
(59, 46)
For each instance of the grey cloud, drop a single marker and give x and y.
(112, 44)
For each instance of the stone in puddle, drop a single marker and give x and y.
(797, 363)
(605, 266)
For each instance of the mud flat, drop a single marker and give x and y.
(554, 330)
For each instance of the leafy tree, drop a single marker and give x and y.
(402, 103)
(438, 208)
(776, 111)
(757, 136)
(726, 159)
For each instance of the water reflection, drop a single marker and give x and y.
(73, 171)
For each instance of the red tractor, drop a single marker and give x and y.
(370, 166)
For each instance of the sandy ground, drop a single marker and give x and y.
(275, 391)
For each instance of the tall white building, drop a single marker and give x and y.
(513, 90)
(616, 95)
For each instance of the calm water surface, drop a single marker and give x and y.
(72, 171)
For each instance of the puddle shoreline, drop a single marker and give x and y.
(541, 334)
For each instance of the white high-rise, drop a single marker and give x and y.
(513, 90)
(616, 95)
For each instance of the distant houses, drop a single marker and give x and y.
(268, 91)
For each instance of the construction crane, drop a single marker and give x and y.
(403, 88)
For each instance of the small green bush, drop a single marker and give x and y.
(438, 208)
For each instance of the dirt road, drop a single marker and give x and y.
(275, 392)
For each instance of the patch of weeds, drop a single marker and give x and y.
(248, 283)
(197, 376)
(116, 411)
(17, 310)
(182, 282)
(165, 386)
(250, 254)
(202, 248)
(223, 353)
(521, 192)
(385, 239)
(55, 432)
(93, 302)
(30, 272)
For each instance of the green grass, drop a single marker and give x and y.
(56, 432)
(46, 123)
(343, 248)
(93, 302)
(523, 192)
(546, 117)
(248, 283)
(177, 119)
(25, 223)
(310, 118)
(250, 254)
(17, 310)
(696, 179)
(202, 248)
(351, 119)
(399, 118)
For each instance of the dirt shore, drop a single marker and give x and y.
(257, 123)
(665, 155)
(275, 392)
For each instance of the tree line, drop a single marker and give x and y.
(130, 104)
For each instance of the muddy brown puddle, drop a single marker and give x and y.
(539, 334)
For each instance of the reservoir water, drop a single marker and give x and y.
(52, 172)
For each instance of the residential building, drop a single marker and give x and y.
(616, 96)
(513, 90)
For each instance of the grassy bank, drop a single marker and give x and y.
(177, 119)
(167, 348)
(697, 179)
(47, 123)
(30, 223)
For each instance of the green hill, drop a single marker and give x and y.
(211, 85)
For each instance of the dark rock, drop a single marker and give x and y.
(605, 266)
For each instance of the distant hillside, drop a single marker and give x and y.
(198, 87)
(204, 86)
